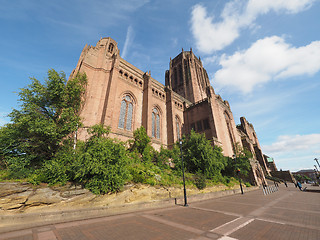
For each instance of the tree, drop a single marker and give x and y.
(201, 157)
(140, 140)
(100, 163)
(240, 162)
(48, 114)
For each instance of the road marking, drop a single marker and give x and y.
(213, 230)
(227, 238)
(270, 220)
(173, 224)
(241, 226)
(232, 226)
(217, 211)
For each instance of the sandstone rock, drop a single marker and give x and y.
(14, 201)
(8, 188)
(44, 196)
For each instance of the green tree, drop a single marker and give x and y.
(48, 114)
(200, 156)
(240, 161)
(100, 164)
(140, 140)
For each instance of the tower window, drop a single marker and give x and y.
(178, 125)
(206, 124)
(199, 126)
(126, 112)
(155, 123)
(110, 48)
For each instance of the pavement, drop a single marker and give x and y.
(283, 214)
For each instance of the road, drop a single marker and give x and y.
(284, 214)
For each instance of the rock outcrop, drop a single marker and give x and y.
(18, 198)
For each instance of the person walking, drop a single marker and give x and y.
(299, 185)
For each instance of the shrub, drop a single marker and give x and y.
(200, 181)
(200, 156)
(100, 164)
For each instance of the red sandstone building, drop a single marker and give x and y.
(123, 97)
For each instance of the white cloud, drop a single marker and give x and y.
(211, 34)
(294, 143)
(128, 41)
(267, 59)
(4, 119)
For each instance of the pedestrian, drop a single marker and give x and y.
(285, 183)
(299, 186)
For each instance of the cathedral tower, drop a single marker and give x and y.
(187, 77)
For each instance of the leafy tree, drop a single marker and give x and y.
(48, 114)
(140, 140)
(101, 163)
(200, 156)
(241, 161)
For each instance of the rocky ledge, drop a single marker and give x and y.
(17, 198)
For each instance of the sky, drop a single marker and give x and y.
(262, 56)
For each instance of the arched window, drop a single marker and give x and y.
(228, 121)
(110, 48)
(126, 111)
(155, 123)
(178, 126)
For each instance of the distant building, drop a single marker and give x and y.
(123, 97)
(271, 164)
(306, 172)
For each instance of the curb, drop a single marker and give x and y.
(28, 220)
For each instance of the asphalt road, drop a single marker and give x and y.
(284, 214)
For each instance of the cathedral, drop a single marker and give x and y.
(125, 98)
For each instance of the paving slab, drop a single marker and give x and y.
(284, 214)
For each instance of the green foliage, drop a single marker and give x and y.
(241, 161)
(100, 164)
(200, 181)
(48, 114)
(302, 178)
(58, 169)
(200, 156)
(141, 140)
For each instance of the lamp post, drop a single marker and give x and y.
(184, 182)
(316, 159)
(238, 171)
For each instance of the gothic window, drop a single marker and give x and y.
(206, 124)
(180, 75)
(126, 112)
(155, 123)
(178, 125)
(110, 48)
(228, 121)
(199, 126)
(175, 77)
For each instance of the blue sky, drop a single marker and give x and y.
(262, 56)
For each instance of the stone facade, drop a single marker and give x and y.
(123, 97)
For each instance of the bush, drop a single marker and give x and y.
(200, 156)
(200, 181)
(101, 164)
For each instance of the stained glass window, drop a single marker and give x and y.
(158, 126)
(129, 116)
(178, 127)
(155, 123)
(126, 113)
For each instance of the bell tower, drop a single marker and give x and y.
(187, 77)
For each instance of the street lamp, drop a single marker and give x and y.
(316, 159)
(184, 182)
(238, 171)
